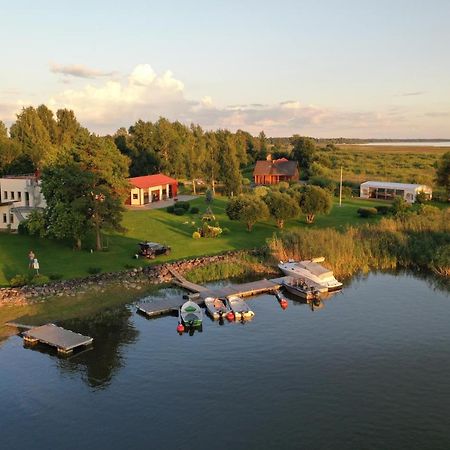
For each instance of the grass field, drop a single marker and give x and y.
(57, 257)
(408, 164)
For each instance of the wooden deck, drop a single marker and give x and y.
(185, 284)
(159, 306)
(64, 340)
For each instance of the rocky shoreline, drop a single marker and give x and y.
(135, 278)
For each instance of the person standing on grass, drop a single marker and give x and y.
(36, 266)
(31, 257)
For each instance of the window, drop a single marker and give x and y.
(11, 218)
(19, 195)
(135, 196)
(12, 195)
(5, 195)
(4, 217)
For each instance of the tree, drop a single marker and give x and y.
(247, 209)
(304, 152)
(282, 207)
(400, 206)
(443, 172)
(229, 173)
(209, 196)
(49, 122)
(66, 189)
(34, 138)
(68, 128)
(314, 200)
(262, 145)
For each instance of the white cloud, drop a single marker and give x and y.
(107, 103)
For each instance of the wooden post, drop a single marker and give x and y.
(340, 190)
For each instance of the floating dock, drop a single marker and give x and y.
(156, 307)
(64, 340)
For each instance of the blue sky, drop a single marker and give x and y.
(322, 68)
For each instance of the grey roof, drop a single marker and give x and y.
(391, 185)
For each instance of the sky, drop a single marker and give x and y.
(363, 68)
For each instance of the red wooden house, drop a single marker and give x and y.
(274, 171)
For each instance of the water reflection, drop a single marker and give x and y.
(112, 330)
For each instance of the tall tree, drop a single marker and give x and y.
(211, 166)
(229, 172)
(49, 122)
(34, 138)
(304, 151)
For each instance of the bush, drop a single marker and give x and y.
(195, 210)
(225, 231)
(383, 210)
(179, 211)
(170, 209)
(18, 281)
(184, 205)
(40, 279)
(22, 228)
(196, 235)
(55, 276)
(323, 182)
(367, 212)
(421, 197)
(94, 270)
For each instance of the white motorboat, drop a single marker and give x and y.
(216, 308)
(313, 273)
(240, 308)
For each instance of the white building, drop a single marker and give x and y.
(384, 190)
(19, 195)
(151, 188)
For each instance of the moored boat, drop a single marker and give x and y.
(191, 315)
(216, 307)
(313, 273)
(299, 288)
(239, 308)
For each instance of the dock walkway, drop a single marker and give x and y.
(64, 340)
(156, 307)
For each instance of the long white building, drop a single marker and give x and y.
(385, 190)
(19, 195)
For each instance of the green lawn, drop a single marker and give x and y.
(58, 257)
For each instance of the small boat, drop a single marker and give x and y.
(190, 315)
(216, 308)
(314, 274)
(239, 308)
(299, 288)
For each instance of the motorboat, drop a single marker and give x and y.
(299, 288)
(239, 308)
(216, 308)
(190, 315)
(313, 273)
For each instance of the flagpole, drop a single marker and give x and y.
(340, 190)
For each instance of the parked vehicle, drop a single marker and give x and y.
(152, 249)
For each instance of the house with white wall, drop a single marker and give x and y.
(151, 188)
(19, 195)
(385, 190)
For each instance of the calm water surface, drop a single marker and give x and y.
(371, 370)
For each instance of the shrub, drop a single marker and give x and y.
(94, 270)
(55, 276)
(40, 279)
(184, 205)
(195, 210)
(18, 280)
(170, 209)
(383, 210)
(225, 231)
(323, 182)
(367, 212)
(22, 228)
(421, 197)
(196, 235)
(179, 211)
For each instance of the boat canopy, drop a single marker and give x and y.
(316, 269)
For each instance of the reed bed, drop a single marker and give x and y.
(419, 241)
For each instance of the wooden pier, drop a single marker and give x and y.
(64, 340)
(156, 307)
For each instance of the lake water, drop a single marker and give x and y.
(411, 144)
(371, 370)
